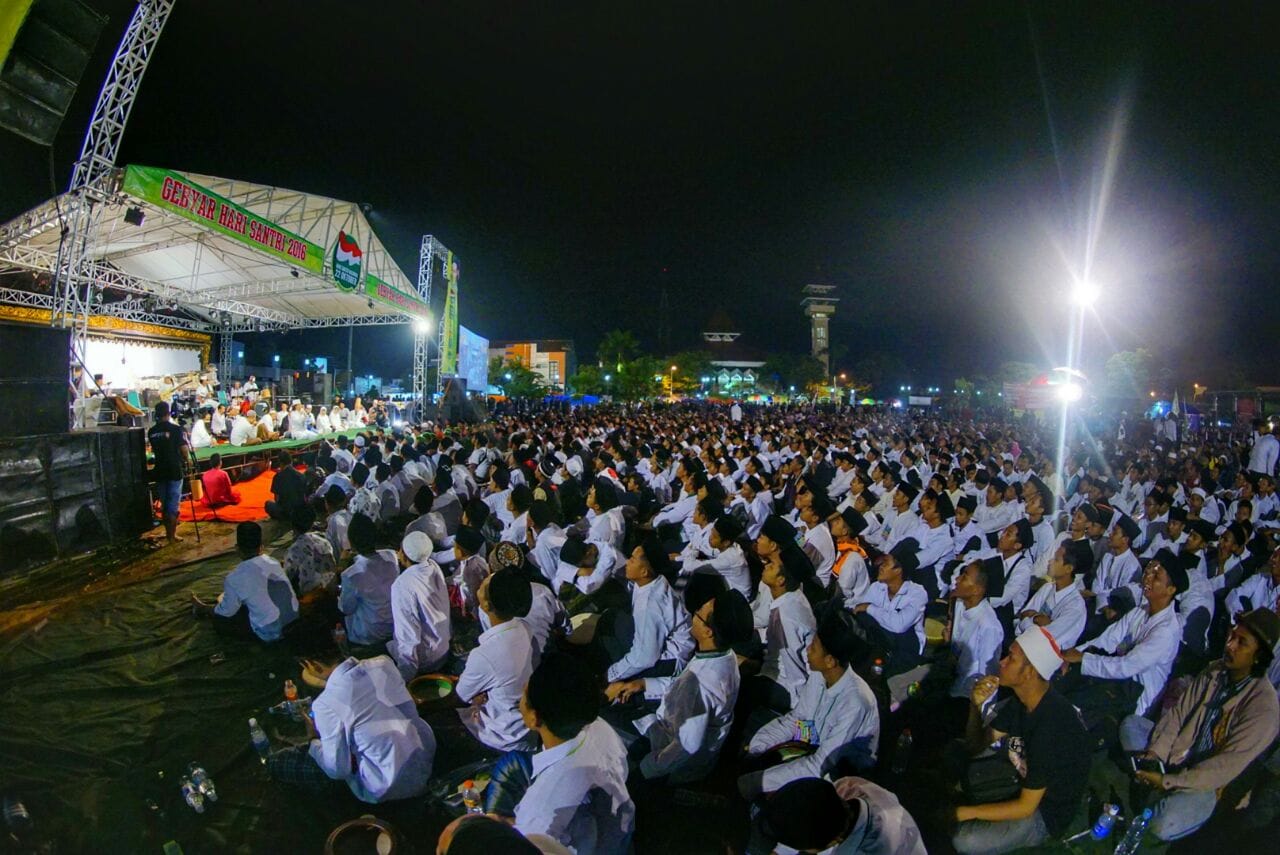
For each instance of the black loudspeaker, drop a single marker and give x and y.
(34, 380)
(322, 387)
(44, 66)
(285, 387)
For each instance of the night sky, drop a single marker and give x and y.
(579, 158)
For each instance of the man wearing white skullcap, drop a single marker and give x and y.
(1046, 744)
(419, 610)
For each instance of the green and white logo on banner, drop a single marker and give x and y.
(348, 261)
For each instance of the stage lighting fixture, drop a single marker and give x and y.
(370, 302)
(421, 326)
(134, 216)
(293, 273)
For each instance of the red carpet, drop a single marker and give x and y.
(254, 495)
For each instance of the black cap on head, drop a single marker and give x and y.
(731, 619)
(470, 539)
(541, 514)
(856, 522)
(1026, 537)
(838, 637)
(1129, 527)
(779, 530)
(1178, 515)
(945, 509)
(573, 551)
(807, 814)
(993, 569)
(1203, 528)
(656, 555)
(362, 533)
(1174, 566)
(998, 484)
(909, 490)
(728, 527)
(968, 503)
(906, 553)
(478, 834)
(509, 593)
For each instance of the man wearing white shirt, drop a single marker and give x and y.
(835, 715)
(819, 545)
(1259, 591)
(544, 539)
(365, 733)
(259, 585)
(659, 641)
(728, 559)
(974, 632)
(419, 610)
(1057, 605)
(500, 665)
(891, 610)
(1012, 548)
(1123, 671)
(518, 502)
(1119, 567)
(244, 430)
(577, 793)
(996, 514)
(1265, 451)
(365, 596)
(684, 737)
(788, 623)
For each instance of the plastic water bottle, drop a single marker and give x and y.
(290, 691)
(1106, 822)
(258, 737)
(471, 797)
(191, 795)
(902, 752)
(1133, 837)
(203, 782)
(877, 667)
(913, 691)
(340, 638)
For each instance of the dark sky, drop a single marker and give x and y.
(569, 153)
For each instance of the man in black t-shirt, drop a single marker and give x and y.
(170, 452)
(1046, 743)
(289, 487)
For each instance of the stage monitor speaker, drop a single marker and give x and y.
(41, 71)
(285, 387)
(33, 380)
(322, 387)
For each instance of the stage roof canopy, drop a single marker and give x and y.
(216, 254)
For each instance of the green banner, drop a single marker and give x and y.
(449, 326)
(174, 192)
(410, 304)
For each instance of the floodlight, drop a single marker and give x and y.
(1084, 293)
(422, 326)
(1069, 393)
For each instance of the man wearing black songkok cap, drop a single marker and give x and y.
(655, 640)
(890, 612)
(836, 713)
(1123, 671)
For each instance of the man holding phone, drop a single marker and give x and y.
(1221, 723)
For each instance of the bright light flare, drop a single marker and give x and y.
(1069, 393)
(422, 326)
(1085, 293)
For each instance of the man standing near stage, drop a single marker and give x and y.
(171, 452)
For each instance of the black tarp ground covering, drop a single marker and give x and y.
(119, 687)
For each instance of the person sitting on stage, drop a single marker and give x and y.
(244, 430)
(217, 485)
(201, 436)
(266, 428)
(218, 422)
(259, 584)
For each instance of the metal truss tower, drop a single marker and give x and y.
(429, 250)
(92, 179)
